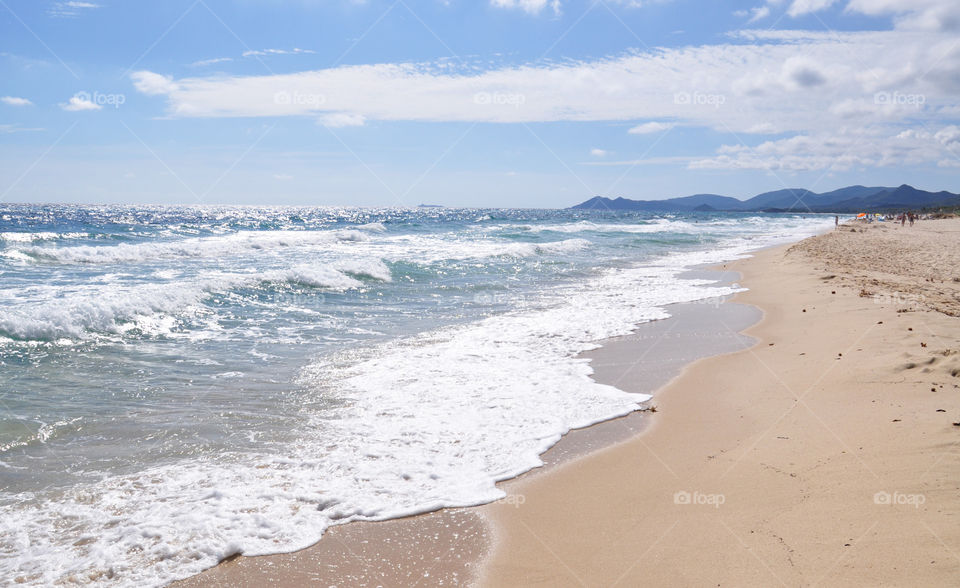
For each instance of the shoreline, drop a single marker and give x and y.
(775, 481)
(825, 453)
(461, 539)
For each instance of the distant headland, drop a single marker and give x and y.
(844, 200)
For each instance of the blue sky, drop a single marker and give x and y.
(533, 103)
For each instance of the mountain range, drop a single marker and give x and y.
(845, 200)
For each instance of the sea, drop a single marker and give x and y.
(179, 385)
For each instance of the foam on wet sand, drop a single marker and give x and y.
(823, 453)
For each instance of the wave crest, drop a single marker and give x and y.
(200, 247)
(155, 308)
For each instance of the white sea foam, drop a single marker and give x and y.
(105, 311)
(427, 422)
(424, 422)
(371, 268)
(153, 308)
(416, 248)
(373, 227)
(433, 249)
(323, 277)
(657, 225)
(496, 249)
(14, 237)
(201, 247)
(654, 226)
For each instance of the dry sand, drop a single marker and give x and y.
(817, 454)
(824, 455)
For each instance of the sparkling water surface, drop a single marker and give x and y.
(180, 384)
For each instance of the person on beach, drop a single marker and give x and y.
(836, 222)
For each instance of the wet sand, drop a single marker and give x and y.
(447, 547)
(819, 448)
(826, 454)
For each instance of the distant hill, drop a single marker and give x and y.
(714, 201)
(849, 199)
(787, 199)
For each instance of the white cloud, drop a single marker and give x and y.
(204, 62)
(15, 101)
(254, 53)
(650, 127)
(758, 13)
(850, 149)
(802, 7)
(719, 86)
(948, 135)
(80, 102)
(283, 177)
(69, 9)
(153, 84)
(598, 152)
(923, 15)
(342, 119)
(763, 128)
(926, 15)
(528, 6)
(806, 83)
(294, 51)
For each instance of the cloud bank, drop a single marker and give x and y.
(830, 96)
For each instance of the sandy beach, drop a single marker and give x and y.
(819, 450)
(365, 293)
(826, 454)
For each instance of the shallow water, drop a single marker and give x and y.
(180, 384)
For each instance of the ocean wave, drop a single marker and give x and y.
(369, 268)
(340, 276)
(655, 226)
(103, 310)
(525, 249)
(429, 250)
(323, 277)
(44, 432)
(431, 421)
(154, 308)
(373, 227)
(419, 422)
(15, 237)
(645, 226)
(236, 243)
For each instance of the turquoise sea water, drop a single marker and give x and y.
(180, 384)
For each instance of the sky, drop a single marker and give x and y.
(482, 103)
